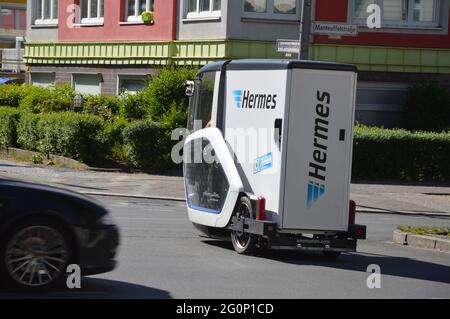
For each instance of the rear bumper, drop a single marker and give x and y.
(323, 244)
(97, 249)
(271, 238)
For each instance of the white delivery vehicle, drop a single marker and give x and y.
(268, 159)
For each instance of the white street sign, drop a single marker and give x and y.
(288, 46)
(335, 29)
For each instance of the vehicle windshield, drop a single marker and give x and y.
(200, 115)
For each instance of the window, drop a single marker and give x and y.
(203, 101)
(13, 17)
(271, 9)
(202, 8)
(92, 11)
(405, 13)
(131, 84)
(42, 79)
(86, 83)
(134, 9)
(424, 10)
(206, 183)
(45, 12)
(380, 103)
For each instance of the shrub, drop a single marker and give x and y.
(28, 134)
(12, 94)
(146, 145)
(427, 108)
(9, 119)
(107, 107)
(135, 106)
(175, 116)
(166, 94)
(69, 134)
(400, 154)
(113, 138)
(72, 135)
(46, 100)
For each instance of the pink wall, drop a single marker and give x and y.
(164, 27)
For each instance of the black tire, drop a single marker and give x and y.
(34, 255)
(243, 243)
(332, 254)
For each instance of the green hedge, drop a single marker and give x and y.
(427, 108)
(9, 118)
(28, 132)
(135, 106)
(12, 94)
(73, 135)
(108, 107)
(168, 103)
(147, 145)
(400, 154)
(113, 140)
(44, 100)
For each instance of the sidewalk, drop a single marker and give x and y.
(370, 198)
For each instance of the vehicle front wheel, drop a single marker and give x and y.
(34, 255)
(244, 243)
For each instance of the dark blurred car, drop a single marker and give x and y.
(44, 229)
(12, 81)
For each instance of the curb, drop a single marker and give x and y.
(404, 213)
(420, 241)
(27, 156)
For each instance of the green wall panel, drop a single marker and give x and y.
(385, 59)
(201, 52)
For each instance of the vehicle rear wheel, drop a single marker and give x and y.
(34, 255)
(244, 243)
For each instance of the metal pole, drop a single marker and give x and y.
(305, 29)
(302, 13)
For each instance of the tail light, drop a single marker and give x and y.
(261, 214)
(352, 213)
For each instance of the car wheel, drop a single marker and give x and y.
(34, 255)
(244, 243)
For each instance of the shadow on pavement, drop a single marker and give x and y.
(392, 266)
(95, 288)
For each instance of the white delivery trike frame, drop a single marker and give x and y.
(268, 160)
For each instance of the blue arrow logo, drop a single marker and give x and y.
(315, 191)
(237, 97)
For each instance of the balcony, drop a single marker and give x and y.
(12, 60)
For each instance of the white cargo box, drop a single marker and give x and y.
(281, 130)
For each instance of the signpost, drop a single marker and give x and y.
(288, 46)
(335, 30)
(301, 46)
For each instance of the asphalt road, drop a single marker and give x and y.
(162, 257)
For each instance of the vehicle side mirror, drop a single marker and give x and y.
(190, 88)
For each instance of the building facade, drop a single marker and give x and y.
(103, 46)
(100, 46)
(109, 48)
(412, 45)
(12, 22)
